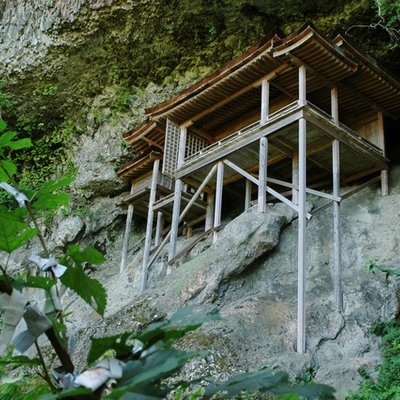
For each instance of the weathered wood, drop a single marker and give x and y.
(218, 198)
(247, 197)
(271, 75)
(335, 105)
(295, 178)
(302, 86)
(149, 226)
(308, 190)
(210, 158)
(159, 228)
(262, 173)
(177, 196)
(128, 225)
(210, 211)
(345, 137)
(336, 225)
(264, 101)
(242, 172)
(301, 261)
(384, 172)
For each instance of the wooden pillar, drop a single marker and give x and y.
(218, 198)
(295, 177)
(336, 205)
(301, 260)
(264, 101)
(149, 226)
(210, 211)
(384, 172)
(335, 105)
(129, 217)
(302, 86)
(177, 197)
(336, 225)
(262, 175)
(159, 228)
(247, 195)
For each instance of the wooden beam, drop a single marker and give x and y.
(218, 198)
(153, 143)
(262, 176)
(149, 226)
(301, 260)
(269, 76)
(284, 91)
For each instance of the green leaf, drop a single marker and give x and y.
(3, 125)
(89, 255)
(48, 197)
(19, 361)
(147, 373)
(13, 230)
(118, 343)
(185, 320)
(7, 170)
(75, 278)
(39, 282)
(20, 144)
(6, 138)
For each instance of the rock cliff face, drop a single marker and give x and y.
(86, 51)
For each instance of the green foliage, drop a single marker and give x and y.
(14, 231)
(46, 90)
(75, 278)
(387, 385)
(49, 196)
(373, 267)
(28, 388)
(48, 155)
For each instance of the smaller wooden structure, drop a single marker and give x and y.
(290, 116)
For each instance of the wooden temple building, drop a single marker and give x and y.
(293, 115)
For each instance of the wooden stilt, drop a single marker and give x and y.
(384, 182)
(384, 172)
(302, 85)
(218, 198)
(336, 225)
(210, 211)
(301, 340)
(159, 228)
(336, 204)
(264, 101)
(295, 177)
(262, 180)
(247, 197)
(128, 225)
(149, 226)
(177, 197)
